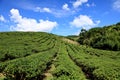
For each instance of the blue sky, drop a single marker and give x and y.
(62, 17)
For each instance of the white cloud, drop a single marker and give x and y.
(37, 9)
(84, 21)
(45, 9)
(65, 7)
(63, 12)
(2, 19)
(56, 12)
(90, 5)
(116, 5)
(78, 3)
(29, 24)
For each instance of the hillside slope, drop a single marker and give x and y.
(43, 56)
(107, 37)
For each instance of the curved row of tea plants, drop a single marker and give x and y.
(65, 68)
(31, 66)
(16, 45)
(97, 64)
(38, 55)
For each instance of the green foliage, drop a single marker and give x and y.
(107, 38)
(16, 45)
(31, 55)
(97, 64)
(65, 67)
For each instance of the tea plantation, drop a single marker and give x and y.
(44, 56)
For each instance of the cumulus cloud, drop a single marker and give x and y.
(2, 19)
(78, 3)
(84, 21)
(65, 7)
(45, 9)
(29, 24)
(116, 5)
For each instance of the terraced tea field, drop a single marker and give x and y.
(43, 56)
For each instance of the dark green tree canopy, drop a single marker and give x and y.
(107, 37)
